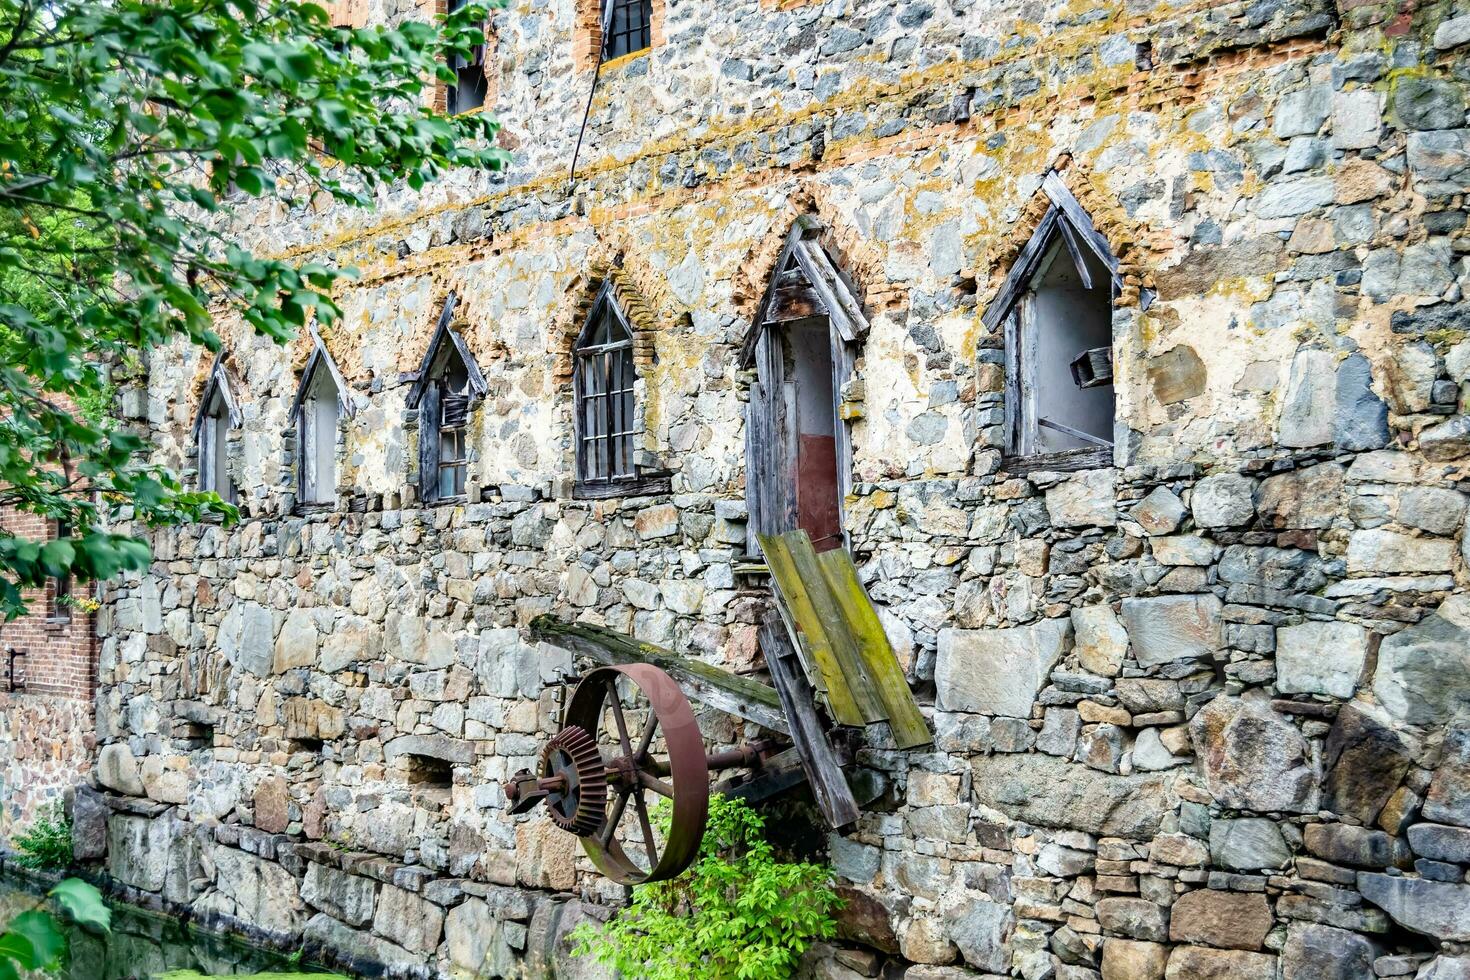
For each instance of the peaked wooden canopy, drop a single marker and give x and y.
(446, 338)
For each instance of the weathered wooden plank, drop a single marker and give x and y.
(1018, 280)
(720, 689)
(1066, 461)
(796, 598)
(823, 768)
(830, 619)
(779, 773)
(909, 727)
(1062, 198)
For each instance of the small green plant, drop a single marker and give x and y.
(736, 914)
(33, 940)
(46, 844)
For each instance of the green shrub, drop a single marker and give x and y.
(46, 844)
(736, 913)
(34, 939)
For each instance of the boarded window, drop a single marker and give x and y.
(470, 84)
(630, 27)
(214, 431)
(317, 420)
(446, 418)
(606, 409)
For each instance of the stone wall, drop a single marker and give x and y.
(1201, 713)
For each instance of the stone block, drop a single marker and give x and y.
(408, 920)
(1161, 512)
(1366, 759)
(1163, 629)
(1050, 792)
(1254, 758)
(1086, 500)
(1448, 799)
(1318, 952)
(89, 813)
(1229, 920)
(1203, 963)
(1308, 498)
(1320, 658)
(347, 897)
(982, 930)
(1310, 403)
(479, 943)
(138, 851)
(1248, 844)
(1101, 641)
(1423, 675)
(1452, 33)
(998, 671)
(1440, 842)
(1375, 551)
(1224, 500)
(1359, 846)
(117, 770)
(1438, 909)
(297, 644)
(1135, 918)
(1129, 959)
(264, 894)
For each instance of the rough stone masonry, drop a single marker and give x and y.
(1202, 708)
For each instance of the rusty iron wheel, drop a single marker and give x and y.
(633, 772)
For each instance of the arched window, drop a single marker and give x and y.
(606, 409)
(217, 416)
(448, 387)
(1056, 311)
(321, 400)
(803, 345)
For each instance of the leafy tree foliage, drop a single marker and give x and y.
(34, 940)
(47, 842)
(129, 129)
(736, 914)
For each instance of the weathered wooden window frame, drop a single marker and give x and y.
(594, 481)
(770, 439)
(636, 33)
(218, 414)
(1013, 312)
(469, 73)
(309, 490)
(428, 397)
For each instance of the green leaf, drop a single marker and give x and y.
(84, 904)
(41, 931)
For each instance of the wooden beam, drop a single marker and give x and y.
(720, 689)
(824, 770)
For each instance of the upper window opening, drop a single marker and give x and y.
(211, 434)
(605, 398)
(470, 86)
(61, 598)
(448, 388)
(629, 27)
(320, 403)
(1056, 311)
(804, 346)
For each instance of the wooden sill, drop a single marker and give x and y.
(1069, 461)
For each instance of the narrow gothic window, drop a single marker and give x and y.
(318, 417)
(629, 27)
(213, 444)
(605, 405)
(470, 84)
(60, 611)
(1056, 313)
(449, 386)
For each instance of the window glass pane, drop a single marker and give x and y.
(631, 29)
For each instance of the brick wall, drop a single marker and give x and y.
(46, 694)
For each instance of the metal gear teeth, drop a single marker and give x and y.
(592, 794)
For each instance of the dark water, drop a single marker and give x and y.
(144, 945)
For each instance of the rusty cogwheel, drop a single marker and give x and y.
(581, 806)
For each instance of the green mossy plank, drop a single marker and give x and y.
(909, 728)
(793, 594)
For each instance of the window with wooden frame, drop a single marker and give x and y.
(1056, 313)
(803, 345)
(60, 606)
(628, 27)
(606, 405)
(217, 416)
(471, 86)
(449, 386)
(321, 402)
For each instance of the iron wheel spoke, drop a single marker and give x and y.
(619, 805)
(647, 828)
